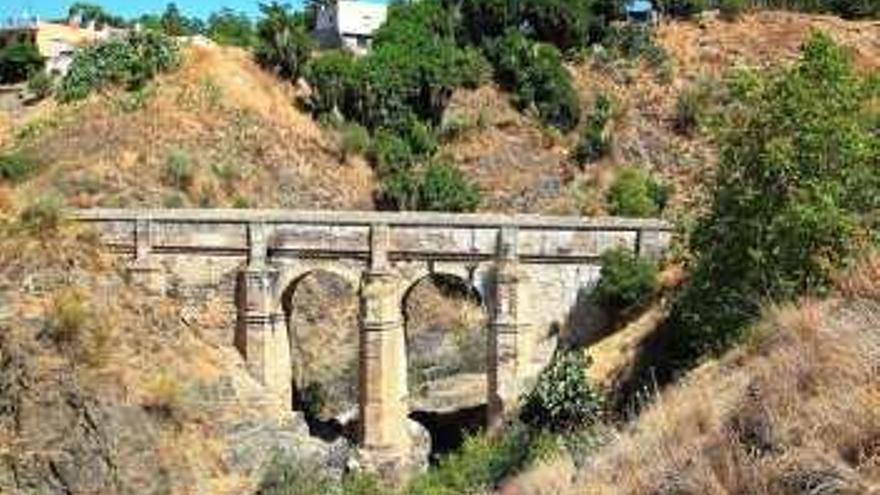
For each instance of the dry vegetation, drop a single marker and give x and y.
(796, 410)
(219, 132)
(521, 167)
(95, 372)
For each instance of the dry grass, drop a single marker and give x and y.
(245, 142)
(794, 411)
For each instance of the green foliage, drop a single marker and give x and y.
(634, 193)
(90, 12)
(445, 188)
(18, 61)
(797, 194)
(390, 152)
(228, 27)
(130, 62)
(535, 74)
(482, 462)
(355, 140)
(16, 167)
(595, 141)
(287, 476)
(173, 23)
(473, 69)
(334, 80)
(283, 44)
(178, 170)
(563, 400)
(635, 41)
(626, 280)
(686, 8)
(43, 215)
(438, 187)
(312, 400)
(732, 9)
(566, 24)
(40, 84)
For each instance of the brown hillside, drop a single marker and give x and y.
(218, 132)
(522, 168)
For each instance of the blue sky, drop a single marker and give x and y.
(130, 8)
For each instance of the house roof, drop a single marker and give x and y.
(638, 7)
(360, 18)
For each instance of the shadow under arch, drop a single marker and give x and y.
(446, 319)
(320, 308)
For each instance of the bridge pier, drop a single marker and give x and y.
(509, 345)
(262, 334)
(383, 388)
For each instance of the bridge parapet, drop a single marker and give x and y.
(411, 235)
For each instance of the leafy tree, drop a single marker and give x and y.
(228, 27)
(563, 400)
(173, 22)
(535, 74)
(797, 193)
(626, 280)
(18, 61)
(283, 45)
(89, 12)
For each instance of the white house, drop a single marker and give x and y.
(349, 24)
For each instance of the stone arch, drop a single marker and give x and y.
(320, 308)
(445, 318)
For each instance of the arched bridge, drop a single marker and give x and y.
(531, 272)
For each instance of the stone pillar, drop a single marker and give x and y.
(508, 344)
(383, 394)
(263, 339)
(144, 270)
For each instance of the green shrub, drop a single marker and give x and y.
(283, 45)
(130, 62)
(473, 68)
(178, 170)
(228, 27)
(690, 110)
(355, 140)
(626, 280)
(445, 188)
(16, 167)
(563, 400)
(44, 215)
(18, 62)
(389, 152)
(634, 193)
(687, 8)
(484, 461)
(732, 9)
(40, 85)
(535, 74)
(332, 78)
(797, 195)
(595, 141)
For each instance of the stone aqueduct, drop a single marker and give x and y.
(531, 272)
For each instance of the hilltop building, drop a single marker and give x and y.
(349, 24)
(55, 41)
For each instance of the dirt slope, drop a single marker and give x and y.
(218, 132)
